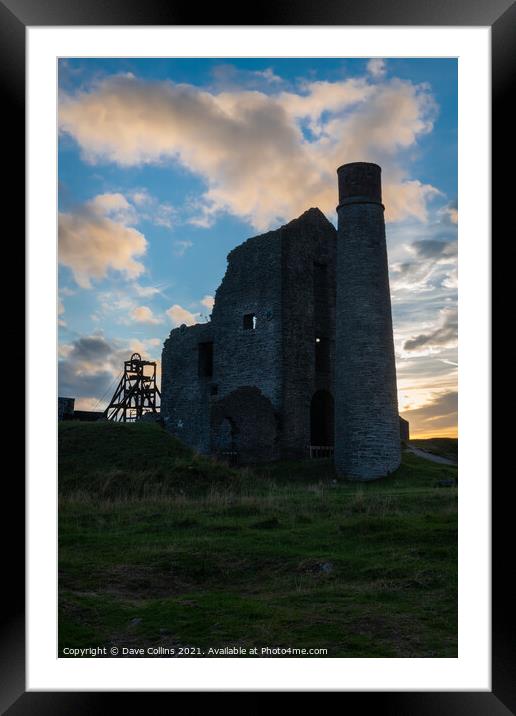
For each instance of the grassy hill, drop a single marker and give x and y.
(443, 447)
(159, 547)
(131, 460)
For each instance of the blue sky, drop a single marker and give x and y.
(165, 165)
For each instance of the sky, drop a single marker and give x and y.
(165, 165)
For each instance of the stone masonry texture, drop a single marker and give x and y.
(258, 379)
(367, 427)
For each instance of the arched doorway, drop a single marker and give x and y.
(225, 438)
(226, 441)
(322, 419)
(246, 418)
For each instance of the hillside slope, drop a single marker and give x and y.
(131, 459)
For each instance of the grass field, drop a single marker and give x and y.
(158, 547)
(443, 447)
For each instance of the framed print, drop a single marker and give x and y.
(258, 285)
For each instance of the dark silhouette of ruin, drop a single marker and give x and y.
(298, 358)
(366, 416)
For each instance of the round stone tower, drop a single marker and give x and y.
(367, 432)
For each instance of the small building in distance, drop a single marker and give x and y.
(404, 430)
(66, 411)
(65, 408)
(88, 416)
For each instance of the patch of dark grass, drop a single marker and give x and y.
(242, 510)
(228, 529)
(133, 460)
(185, 523)
(270, 524)
(443, 447)
(272, 555)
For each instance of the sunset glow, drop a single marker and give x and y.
(165, 165)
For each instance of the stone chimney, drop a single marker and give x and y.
(367, 432)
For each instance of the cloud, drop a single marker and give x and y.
(407, 198)
(60, 311)
(443, 336)
(124, 305)
(181, 247)
(376, 67)
(179, 315)
(423, 285)
(454, 215)
(322, 96)
(115, 301)
(164, 215)
(425, 270)
(450, 213)
(265, 151)
(152, 210)
(143, 314)
(115, 206)
(90, 351)
(435, 249)
(95, 238)
(90, 366)
(423, 257)
(452, 280)
(268, 75)
(437, 416)
(227, 76)
(208, 302)
(264, 156)
(140, 197)
(145, 291)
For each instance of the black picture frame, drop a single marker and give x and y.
(15, 17)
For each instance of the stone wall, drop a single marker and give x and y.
(263, 329)
(245, 333)
(249, 353)
(367, 430)
(404, 430)
(281, 332)
(245, 422)
(308, 299)
(186, 395)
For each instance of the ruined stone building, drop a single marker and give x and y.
(298, 355)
